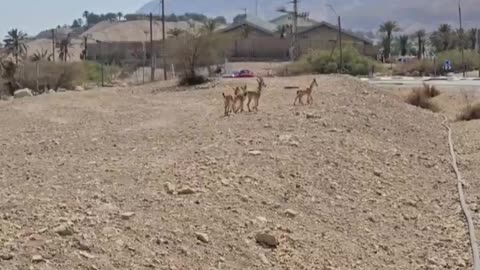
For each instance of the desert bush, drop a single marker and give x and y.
(197, 49)
(326, 62)
(470, 113)
(52, 75)
(422, 98)
(192, 80)
(429, 90)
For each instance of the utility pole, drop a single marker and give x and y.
(53, 45)
(152, 58)
(295, 29)
(295, 15)
(256, 8)
(85, 39)
(339, 37)
(462, 39)
(477, 48)
(164, 45)
(99, 42)
(340, 43)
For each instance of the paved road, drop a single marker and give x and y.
(419, 82)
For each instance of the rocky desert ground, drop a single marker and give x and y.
(154, 177)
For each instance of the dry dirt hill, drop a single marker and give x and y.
(131, 30)
(39, 45)
(147, 179)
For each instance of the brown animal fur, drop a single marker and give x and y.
(255, 95)
(229, 101)
(240, 95)
(307, 92)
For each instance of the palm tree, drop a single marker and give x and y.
(388, 27)
(65, 45)
(472, 38)
(403, 40)
(86, 14)
(175, 32)
(445, 31)
(40, 55)
(210, 26)
(15, 43)
(420, 35)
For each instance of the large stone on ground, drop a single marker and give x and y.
(21, 93)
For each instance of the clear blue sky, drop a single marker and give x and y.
(32, 16)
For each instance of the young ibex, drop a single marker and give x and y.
(307, 92)
(240, 94)
(255, 95)
(229, 100)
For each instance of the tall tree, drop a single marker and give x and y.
(64, 47)
(445, 31)
(388, 28)
(40, 55)
(76, 24)
(239, 18)
(120, 16)
(15, 43)
(85, 15)
(210, 26)
(420, 36)
(403, 39)
(220, 20)
(472, 38)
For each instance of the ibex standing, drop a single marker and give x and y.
(255, 95)
(307, 92)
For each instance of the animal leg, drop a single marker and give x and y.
(248, 104)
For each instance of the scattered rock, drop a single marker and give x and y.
(377, 172)
(170, 188)
(186, 190)
(63, 230)
(51, 91)
(264, 259)
(262, 219)
(225, 182)
(311, 116)
(37, 258)
(202, 237)
(127, 215)
(266, 239)
(86, 255)
(84, 245)
(255, 153)
(23, 93)
(461, 263)
(6, 256)
(61, 90)
(290, 213)
(79, 88)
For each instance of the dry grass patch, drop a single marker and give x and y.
(470, 113)
(422, 97)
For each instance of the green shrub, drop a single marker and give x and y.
(326, 62)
